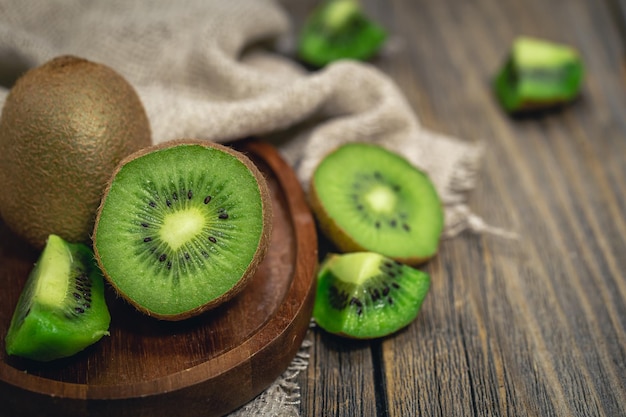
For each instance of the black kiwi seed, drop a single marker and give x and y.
(212, 239)
(207, 199)
(162, 258)
(406, 227)
(147, 239)
(223, 215)
(189, 194)
(175, 196)
(355, 301)
(152, 204)
(338, 299)
(145, 225)
(168, 202)
(82, 293)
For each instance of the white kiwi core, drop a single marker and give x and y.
(54, 267)
(381, 199)
(182, 226)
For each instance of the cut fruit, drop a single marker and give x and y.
(365, 295)
(62, 309)
(367, 198)
(338, 29)
(182, 227)
(538, 75)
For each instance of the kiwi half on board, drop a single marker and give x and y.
(365, 295)
(62, 309)
(182, 227)
(367, 198)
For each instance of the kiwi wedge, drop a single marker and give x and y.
(182, 227)
(339, 29)
(538, 75)
(365, 295)
(62, 309)
(367, 198)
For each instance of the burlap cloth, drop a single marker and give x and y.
(214, 69)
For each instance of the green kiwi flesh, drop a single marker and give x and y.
(538, 74)
(339, 29)
(367, 198)
(62, 309)
(365, 295)
(182, 227)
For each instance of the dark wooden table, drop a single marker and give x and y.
(528, 327)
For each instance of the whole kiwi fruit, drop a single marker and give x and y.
(65, 126)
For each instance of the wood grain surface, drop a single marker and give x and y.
(204, 366)
(534, 326)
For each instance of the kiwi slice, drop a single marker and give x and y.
(537, 75)
(62, 309)
(182, 227)
(366, 295)
(367, 198)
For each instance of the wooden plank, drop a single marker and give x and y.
(528, 355)
(340, 378)
(535, 326)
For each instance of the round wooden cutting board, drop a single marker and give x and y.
(205, 366)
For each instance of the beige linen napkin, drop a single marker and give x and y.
(209, 69)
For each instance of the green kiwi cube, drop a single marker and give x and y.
(339, 29)
(365, 295)
(537, 75)
(62, 308)
(182, 227)
(368, 198)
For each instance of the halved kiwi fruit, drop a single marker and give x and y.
(366, 295)
(182, 227)
(367, 198)
(62, 309)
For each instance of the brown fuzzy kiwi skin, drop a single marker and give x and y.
(342, 239)
(65, 126)
(264, 241)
